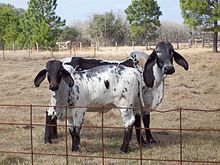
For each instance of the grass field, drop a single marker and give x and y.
(197, 88)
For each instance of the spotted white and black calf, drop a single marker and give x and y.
(72, 64)
(114, 85)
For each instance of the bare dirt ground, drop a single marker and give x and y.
(197, 88)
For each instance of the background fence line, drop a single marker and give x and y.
(102, 156)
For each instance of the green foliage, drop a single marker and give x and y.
(40, 23)
(108, 28)
(204, 14)
(9, 23)
(69, 34)
(143, 15)
(201, 13)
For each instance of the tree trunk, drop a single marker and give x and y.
(215, 39)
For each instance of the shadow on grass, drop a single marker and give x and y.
(113, 138)
(91, 140)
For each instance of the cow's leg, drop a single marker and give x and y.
(76, 121)
(137, 125)
(54, 134)
(75, 134)
(51, 120)
(126, 140)
(146, 121)
(128, 119)
(47, 133)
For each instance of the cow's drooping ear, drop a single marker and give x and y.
(180, 60)
(40, 77)
(67, 78)
(148, 73)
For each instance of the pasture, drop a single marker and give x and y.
(197, 88)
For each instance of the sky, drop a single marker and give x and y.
(74, 10)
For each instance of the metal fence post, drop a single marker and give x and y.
(31, 131)
(181, 147)
(141, 149)
(66, 132)
(103, 156)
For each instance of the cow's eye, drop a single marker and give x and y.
(158, 51)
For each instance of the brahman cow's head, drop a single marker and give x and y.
(163, 56)
(55, 73)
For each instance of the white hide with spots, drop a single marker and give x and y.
(153, 96)
(59, 97)
(118, 86)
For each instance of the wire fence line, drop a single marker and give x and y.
(102, 156)
(90, 51)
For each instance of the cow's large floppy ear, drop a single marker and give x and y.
(148, 73)
(180, 60)
(67, 78)
(40, 77)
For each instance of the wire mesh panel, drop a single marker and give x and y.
(184, 136)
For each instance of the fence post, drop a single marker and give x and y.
(177, 43)
(181, 145)
(66, 132)
(13, 46)
(103, 155)
(37, 46)
(132, 43)
(3, 50)
(29, 51)
(94, 50)
(116, 45)
(70, 48)
(51, 51)
(80, 46)
(31, 131)
(74, 49)
(141, 149)
(203, 42)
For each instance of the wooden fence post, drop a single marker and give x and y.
(29, 51)
(116, 45)
(3, 51)
(80, 46)
(132, 43)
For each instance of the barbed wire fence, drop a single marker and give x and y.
(31, 123)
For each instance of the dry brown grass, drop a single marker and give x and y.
(197, 88)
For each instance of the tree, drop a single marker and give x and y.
(69, 34)
(108, 28)
(202, 13)
(41, 24)
(9, 23)
(143, 15)
(174, 32)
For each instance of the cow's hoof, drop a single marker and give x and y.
(54, 137)
(76, 149)
(151, 141)
(47, 141)
(124, 150)
(142, 143)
